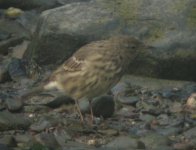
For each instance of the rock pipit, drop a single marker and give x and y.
(93, 69)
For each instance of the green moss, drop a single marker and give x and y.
(191, 19)
(125, 9)
(178, 6)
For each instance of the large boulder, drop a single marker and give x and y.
(168, 26)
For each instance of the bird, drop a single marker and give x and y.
(93, 69)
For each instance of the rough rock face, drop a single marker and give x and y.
(169, 26)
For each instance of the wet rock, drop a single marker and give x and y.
(170, 93)
(146, 117)
(48, 140)
(13, 121)
(123, 142)
(169, 58)
(37, 146)
(4, 147)
(109, 132)
(61, 136)
(45, 122)
(101, 106)
(8, 140)
(73, 33)
(127, 111)
(36, 109)
(6, 44)
(4, 75)
(156, 84)
(169, 131)
(128, 100)
(191, 133)
(148, 108)
(4, 35)
(70, 145)
(2, 104)
(18, 51)
(155, 141)
(16, 69)
(176, 107)
(23, 138)
(13, 104)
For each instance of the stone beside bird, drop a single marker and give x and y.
(93, 69)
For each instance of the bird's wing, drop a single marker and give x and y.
(81, 57)
(73, 64)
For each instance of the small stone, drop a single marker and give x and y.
(109, 132)
(45, 122)
(155, 140)
(191, 133)
(48, 140)
(176, 107)
(128, 100)
(8, 140)
(61, 136)
(103, 106)
(10, 121)
(4, 147)
(16, 69)
(14, 104)
(123, 142)
(23, 138)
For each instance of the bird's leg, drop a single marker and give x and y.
(79, 111)
(91, 111)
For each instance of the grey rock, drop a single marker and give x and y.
(45, 122)
(150, 83)
(59, 36)
(16, 69)
(36, 108)
(8, 140)
(48, 140)
(14, 104)
(168, 131)
(6, 44)
(128, 100)
(154, 141)
(123, 142)
(191, 133)
(101, 106)
(23, 138)
(4, 35)
(61, 136)
(4, 147)
(4, 75)
(168, 26)
(13, 121)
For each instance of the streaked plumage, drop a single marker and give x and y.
(94, 68)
